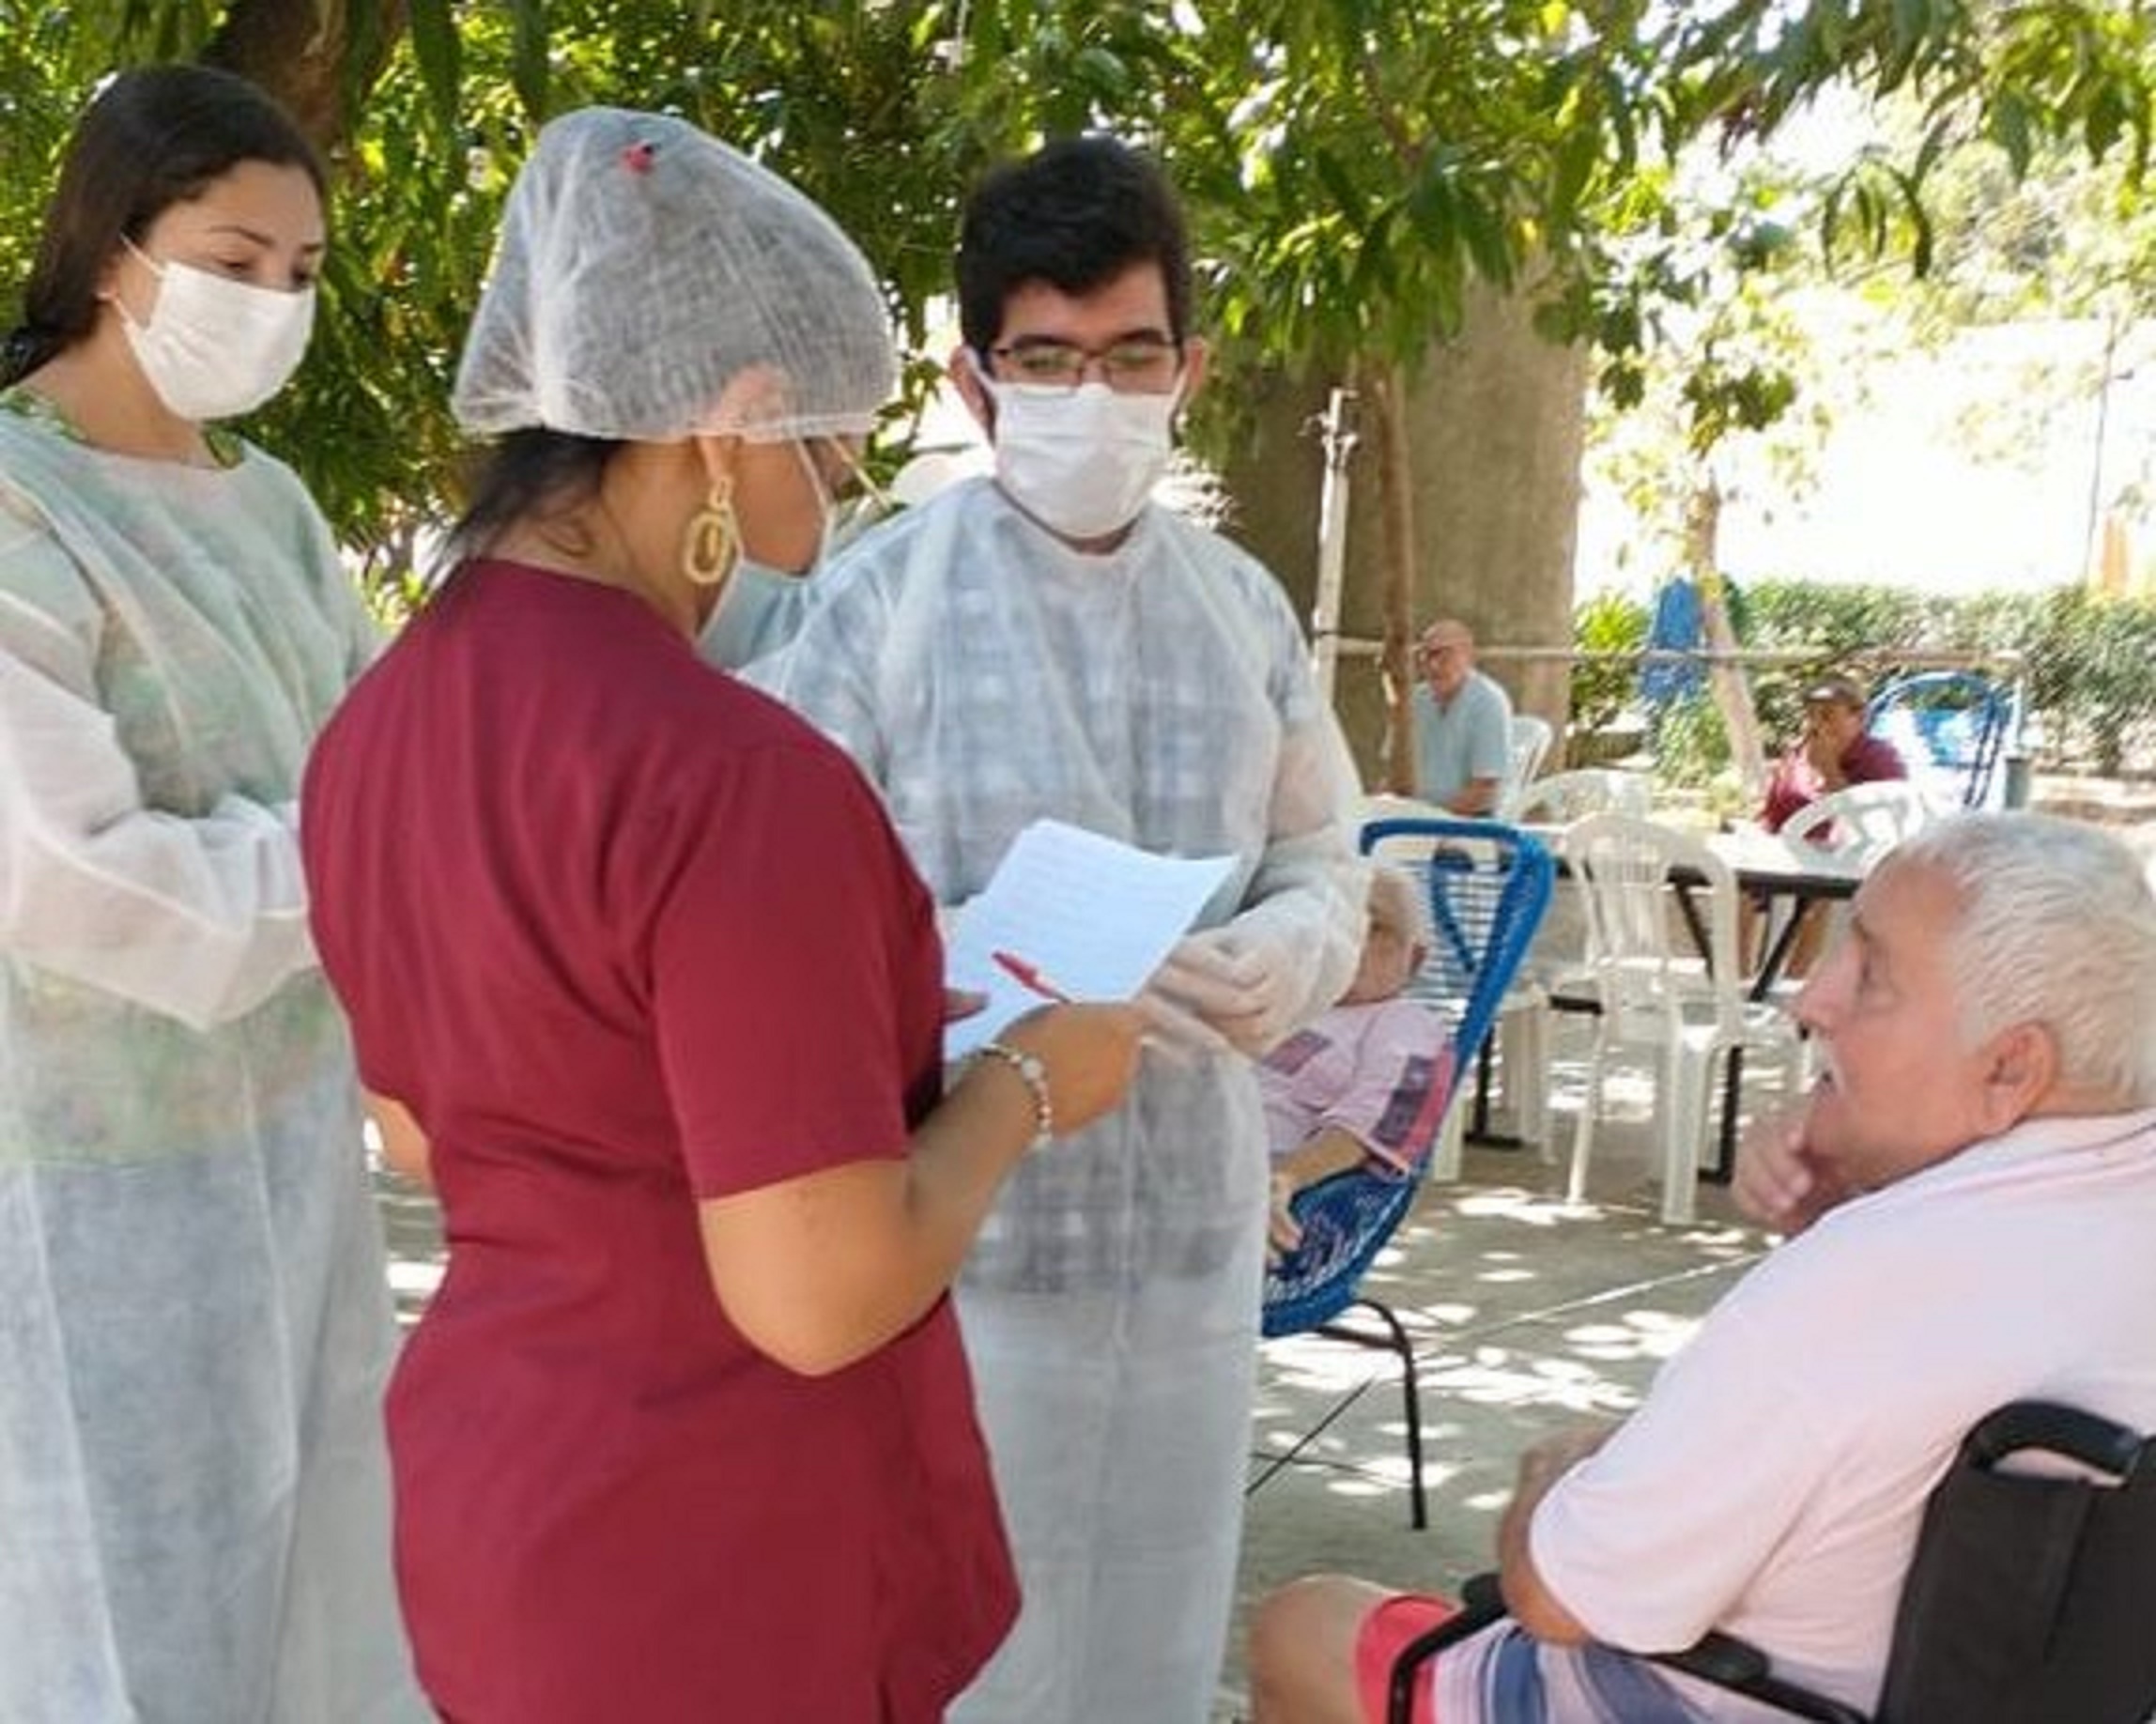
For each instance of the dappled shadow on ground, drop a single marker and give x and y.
(1514, 1303)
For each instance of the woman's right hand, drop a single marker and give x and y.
(1089, 1051)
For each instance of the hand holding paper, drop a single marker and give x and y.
(1070, 915)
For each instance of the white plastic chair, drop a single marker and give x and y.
(1531, 739)
(1861, 823)
(1864, 821)
(1523, 1022)
(1563, 797)
(1653, 988)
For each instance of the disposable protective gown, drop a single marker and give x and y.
(193, 1317)
(984, 675)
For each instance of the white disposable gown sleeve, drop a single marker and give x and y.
(200, 916)
(1292, 951)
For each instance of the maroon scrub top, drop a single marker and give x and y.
(1795, 785)
(623, 934)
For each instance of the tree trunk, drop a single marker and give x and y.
(319, 60)
(1499, 422)
(1491, 427)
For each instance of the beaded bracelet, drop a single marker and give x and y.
(1033, 1073)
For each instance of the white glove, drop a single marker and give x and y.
(1236, 982)
(1178, 1036)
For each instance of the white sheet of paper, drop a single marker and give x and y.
(1092, 916)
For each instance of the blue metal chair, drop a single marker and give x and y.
(1951, 727)
(1489, 886)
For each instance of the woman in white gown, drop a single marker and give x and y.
(193, 1319)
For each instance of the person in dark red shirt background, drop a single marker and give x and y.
(1833, 752)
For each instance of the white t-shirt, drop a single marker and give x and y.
(1772, 1482)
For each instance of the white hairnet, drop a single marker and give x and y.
(651, 283)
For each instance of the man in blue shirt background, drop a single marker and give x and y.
(1463, 723)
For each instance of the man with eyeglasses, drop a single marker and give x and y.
(1463, 723)
(1048, 641)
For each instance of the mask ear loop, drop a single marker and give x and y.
(984, 385)
(845, 520)
(118, 302)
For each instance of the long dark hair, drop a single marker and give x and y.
(155, 137)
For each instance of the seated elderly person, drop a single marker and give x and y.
(1367, 1079)
(1984, 1104)
(1833, 752)
(1462, 723)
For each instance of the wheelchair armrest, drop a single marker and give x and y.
(1483, 1595)
(1481, 1604)
(1719, 1658)
(2100, 1443)
(1727, 1662)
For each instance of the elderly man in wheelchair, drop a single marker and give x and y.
(1969, 1198)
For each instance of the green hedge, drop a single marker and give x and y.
(2088, 664)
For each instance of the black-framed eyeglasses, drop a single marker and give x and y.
(1131, 365)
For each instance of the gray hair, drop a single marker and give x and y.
(2058, 928)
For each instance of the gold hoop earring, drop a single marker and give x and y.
(712, 544)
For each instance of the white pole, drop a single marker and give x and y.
(1337, 429)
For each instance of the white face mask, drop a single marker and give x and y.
(213, 347)
(1081, 461)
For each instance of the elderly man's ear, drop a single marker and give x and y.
(2022, 1071)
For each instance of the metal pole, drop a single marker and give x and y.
(1338, 433)
(2092, 522)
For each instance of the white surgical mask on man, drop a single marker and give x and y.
(214, 348)
(1081, 461)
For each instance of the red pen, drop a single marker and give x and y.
(1028, 978)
